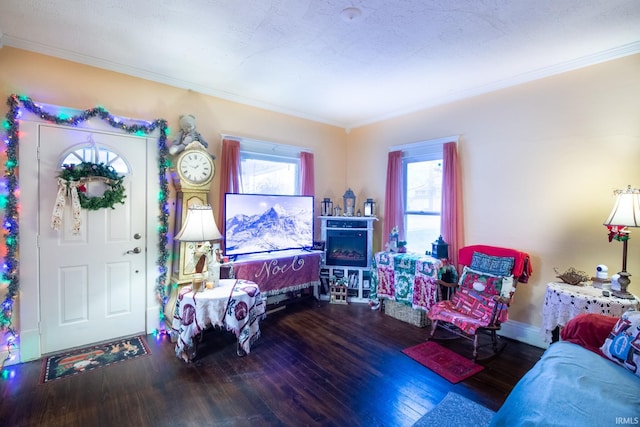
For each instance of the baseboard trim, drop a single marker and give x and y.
(154, 323)
(524, 333)
(275, 310)
(29, 347)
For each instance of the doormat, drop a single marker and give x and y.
(443, 361)
(456, 410)
(87, 359)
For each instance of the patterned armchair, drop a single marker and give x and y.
(479, 302)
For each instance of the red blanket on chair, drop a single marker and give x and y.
(521, 268)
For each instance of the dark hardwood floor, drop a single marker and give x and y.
(316, 364)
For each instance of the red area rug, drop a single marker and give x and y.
(87, 359)
(443, 361)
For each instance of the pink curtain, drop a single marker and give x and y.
(393, 198)
(307, 184)
(451, 220)
(229, 177)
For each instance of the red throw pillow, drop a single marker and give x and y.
(588, 330)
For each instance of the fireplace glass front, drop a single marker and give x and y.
(347, 248)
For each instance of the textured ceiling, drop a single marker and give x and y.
(307, 59)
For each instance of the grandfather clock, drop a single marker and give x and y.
(191, 175)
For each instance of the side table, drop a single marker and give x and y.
(562, 302)
(236, 305)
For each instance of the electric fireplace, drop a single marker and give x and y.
(348, 255)
(348, 241)
(346, 247)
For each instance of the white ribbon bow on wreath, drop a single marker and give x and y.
(65, 187)
(72, 178)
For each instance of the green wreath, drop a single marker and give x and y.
(84, 172)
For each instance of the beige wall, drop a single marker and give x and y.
(48, 80)
(52, 81)
(539, 161)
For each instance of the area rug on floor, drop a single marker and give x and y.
(86, 359)
(456, 411)
(443, 361)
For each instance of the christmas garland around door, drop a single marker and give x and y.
(9, 200)
(72, 182)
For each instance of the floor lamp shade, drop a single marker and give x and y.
(199, 226)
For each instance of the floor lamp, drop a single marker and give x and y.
(625, 214)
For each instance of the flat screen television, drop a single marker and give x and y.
(266, 223)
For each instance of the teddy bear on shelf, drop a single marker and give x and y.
(186, 135)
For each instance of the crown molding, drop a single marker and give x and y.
(585, 61)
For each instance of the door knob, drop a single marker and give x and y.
(135, 250)
(137, 236)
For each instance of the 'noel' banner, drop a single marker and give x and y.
(280, 275)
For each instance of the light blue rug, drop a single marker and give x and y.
(456, 411)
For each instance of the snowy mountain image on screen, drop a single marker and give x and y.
(272, 230)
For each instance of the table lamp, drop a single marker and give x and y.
(625, 214)
(200, 227)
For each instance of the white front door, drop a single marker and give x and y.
(92, 284)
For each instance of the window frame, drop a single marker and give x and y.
(274, 152)
(248, 155)
(418, 152)
(405, 164)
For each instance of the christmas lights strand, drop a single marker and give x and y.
(10, 202)
(10, 228)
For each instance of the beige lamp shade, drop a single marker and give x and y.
(200, 226)
(626, 211)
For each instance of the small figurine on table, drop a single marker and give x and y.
(392, 246)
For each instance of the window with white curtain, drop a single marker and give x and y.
(269, 168)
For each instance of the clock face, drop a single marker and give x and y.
(196, 166)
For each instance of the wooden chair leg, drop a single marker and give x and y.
(494, 341)
(475, 347)
(434, 325)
